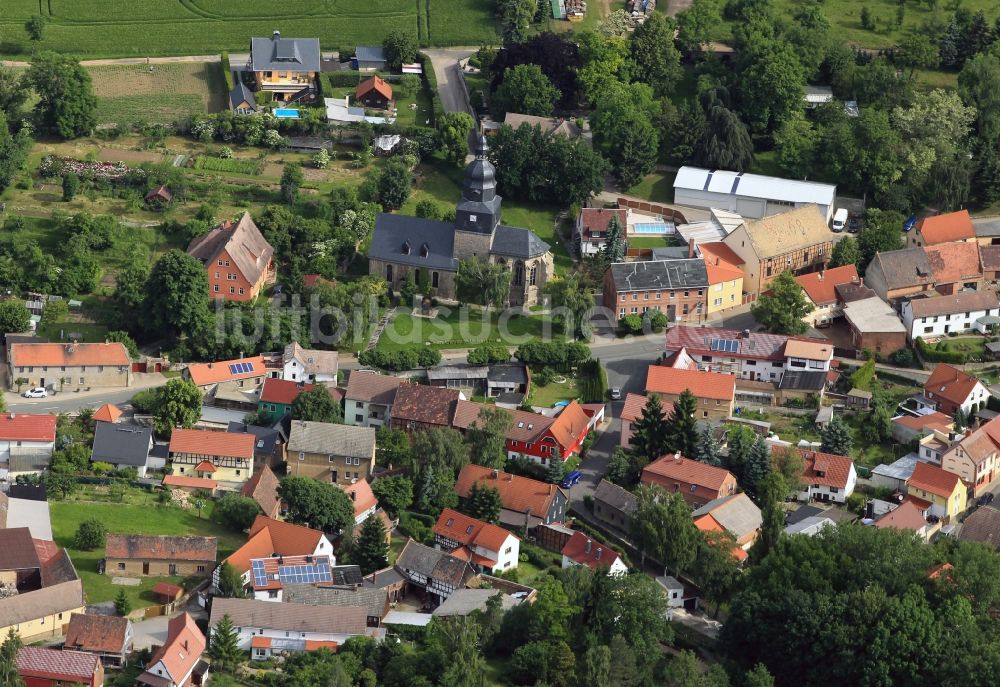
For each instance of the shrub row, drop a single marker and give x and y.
(227, 72)
(431, 84)
(404, 359)
(942, 355)
(345, 77)
(559, 355)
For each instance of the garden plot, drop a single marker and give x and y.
(157, 93)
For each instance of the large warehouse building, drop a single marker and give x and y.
(751, 195)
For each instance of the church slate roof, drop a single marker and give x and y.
(393, 231)
(517, 243)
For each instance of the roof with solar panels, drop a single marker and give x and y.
(276, 571)
(204, 374)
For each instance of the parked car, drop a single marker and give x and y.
(36, 392)
(853, 225)
(571, 479)
(616, 394)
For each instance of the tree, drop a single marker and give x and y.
(291, 181)
(613, 249)
(484, 503)
(595, 670)
(770, 496)
(657, 60)
(681, 425)
(90, 535)
(796, 142)
(739, 440)
(526, 90)
(66, 104)
(70, 185)
(224, 649)
(979, 87)
(392, 446)
(880, 235)
(699, 25)
(487, 437)
(634, 146)
(650, 433)
(726, 141)
(781, 310)
(916, 52)
(662, 526)
(706, 449)
(716, 568)
(757, 466)
(13, 95)
(14, 317)
(572, 304)
(836, 437)
(231, 582)
(371, 550)
(35, 27)
(400, 48)
(237, 512)
(316, 504)
(453, 130)
(317, 405)
(177, 295)
(392, 184)
(123, 606)
(178, 405)
(54, 312)
(758, 676)
(771, 85)
(483, 283)
(515, 19)
(960, 419)
(619, 467)
(558, 56)
(845, 252)
(488, 354)
(9, 676)
(395, 493)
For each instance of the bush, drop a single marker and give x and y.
(404, 359)
(343, 78)
(488, 354)
(144, 401)
(544, 377)
(903, 357)
(90, 535)
(940, 354)
(560, 355)
(631, 324)
(411, 526)
(227, 71)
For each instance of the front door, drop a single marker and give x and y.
(333, 476)
(145, 567)
(172, 569)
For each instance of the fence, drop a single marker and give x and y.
(668, 213)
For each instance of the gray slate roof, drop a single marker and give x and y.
(374, 601)
(433, 564)
(292, 617)
(284, 54)
(381, 579)
(517, 243)
(469, 372)
(337, 440)
(660, 274)
(241, 93)
(512, 373)
(986, 226)
(465, 601)
(393, 231)
(737, 513)
(368, 53)
(616, 497)
(906, 267)
(122, 444)
(267, 437)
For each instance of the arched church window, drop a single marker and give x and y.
(518, 273)
(533, 275)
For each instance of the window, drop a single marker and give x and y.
(717, 301)
(635, 296)
(121, 566)
(216, 288)
(302, 455)
(217, 275)
(220, 265)
(704, 413)
(201, 568)
(635, 311)
(359, 418)
(533, 275)
(232, 289)
(507, 550)
(434, 280)
(645, 295)
(227, 263)
(241, 290)
(81, 380)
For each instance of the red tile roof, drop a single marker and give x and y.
(954, 262)
(600, 554)
(432, 405)
(204, 442)
(373, 83)
(263, 488)
(269, 536)
(96, 633)
(719, 270)
(673, 381)
(18, 427)
(52, 664)
(183, 648)
(756, 345)
(906, 517)
(826, 469)
(259, 642)
(361, 495)
(524, 426)
(107, 413)
(205, 466)
(636, 403)
(370, 387)
(821, 286)
(687, 471)
(188, 482)
(69, 355)
(717, 249)
(934, 480)
(282, 390)
(162, 547)
(951, 226)
(517, 493)
(597, 219)
(570, 426)
(469, 531)
(203, 374)
(167, 590)
(314, 644)
(921, 422)
(949, 383)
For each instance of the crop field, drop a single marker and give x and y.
(131, 92)
(128, 28)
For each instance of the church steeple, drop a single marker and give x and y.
(478, 211)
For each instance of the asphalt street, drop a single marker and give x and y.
(70, 402)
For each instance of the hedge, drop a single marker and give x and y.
(592, 381)
(345, 77)
(403, 359)
(559, 355)
(935, 356)
(431, 84)
(227, 72)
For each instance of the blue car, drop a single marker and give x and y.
(571, 479)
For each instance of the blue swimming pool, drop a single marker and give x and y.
(286, 113)
(652, 228)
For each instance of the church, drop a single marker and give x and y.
(432, 249)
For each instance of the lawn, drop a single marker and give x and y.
(647, 242)
(552, 393)
(159, 93)
(464, 328)
(657, 187)
(973, 346)
(131, 519)
(124, 28)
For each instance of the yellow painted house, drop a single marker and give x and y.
(944, 492)
(225, 457)
(725, 278)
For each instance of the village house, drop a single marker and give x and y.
(961, 313)
(177, 663)
(735, 514)
(237, 258)
(26, 443)
(825, 476)
(582, 550)
(946, 228)
(525, 502)
(796, 240)
(374, 93)
(125, 446)
(277, 397)
(725, 278)
(552, 126)
(309, 364)
(437, 573)
(821, 290)
(226, 457)
(68, 367)
(875, 326)
(989, 257)
(263, 488)
(698, 483)
(983, 526)
(676, 288)
(141, 555)
(974, 458)
(908, 517)
(937, 492)
(614, 505)
(363, 499)
(48, 588)
(956, 267)
(539, 438)
(270, 537)
(269, 446)
(42, 667)
(507, 378)
(591, 229)
(418, 407)
(632, 411)
(107, 413)
(950, 389)
(286, 67)
(108, 637)
(244, 373)
(270, 574)
(713, 391)
(242, 100)
(899, 274)
(353, 595)
(330, 453)
(368, 58)
(906, 428)
(368, 398)
(751, 195)
(487, 547)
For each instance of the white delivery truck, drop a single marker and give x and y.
(839, 219)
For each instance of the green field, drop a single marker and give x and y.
(126, 28)
(131, 519)
(448, 330)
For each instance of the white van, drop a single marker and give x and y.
(839, 219)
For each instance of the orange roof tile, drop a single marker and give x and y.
(570, 425)
(673, 381)
(282, 391)
(687, 471)
(97, 633)
(951, 226)
(314, 644)
(187, 482)
(24, 427)
(636, 403)
(69, 355)
(269, 536)
(950, 383)
(600, 554)
(203, 374)
(717, 249)
(203, 442)
(162, 547)
(810, 350)
(919, 423)
(376, 84)
(466, 530)
(517, 493)
(953, 262)
(827, 469)
(259, 642)
(933, 480)
(183, 648)
(906, 517)
(361, 495)
(107, 413)
(205, 466)
(719, 270)
(821, 286)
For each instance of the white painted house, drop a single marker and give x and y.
(26, 443)
(308, 365)
(487, 546)
(827, 477)
(582, 550)
(943, 315)
(751, 195)
(368, 398)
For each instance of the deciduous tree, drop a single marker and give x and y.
(317, 405)
(781, 309)
(231, 582)
(572, 303)
(483, 283)
(177, 295)
(657, 60)
(487, 437)
(14, 317)
(525, 90)
(453, 130)
(845, 252)
(90, 535)
(178, 404)
(316, 504)
(395, 493)
(400, 47)
(237, 512)
(66, 104)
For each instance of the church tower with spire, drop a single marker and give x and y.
(477, 214)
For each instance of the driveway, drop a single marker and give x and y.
(449, 77)
(72, 401)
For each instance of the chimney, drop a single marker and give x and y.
(184, 645)
(822, 273)
(745, 334)
(691, 248)
(241, 354)
(599, 551)
(354, 496)
(495, 474)
(210, 366)
(275, 35)
(586, 547)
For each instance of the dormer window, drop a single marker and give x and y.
(424, 250)
(406, 247)
(472, 218)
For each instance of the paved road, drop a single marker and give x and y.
(71, 402)
(445, 62)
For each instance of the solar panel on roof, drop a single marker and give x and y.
(234, 368)
(259, 576)
(724, 345)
